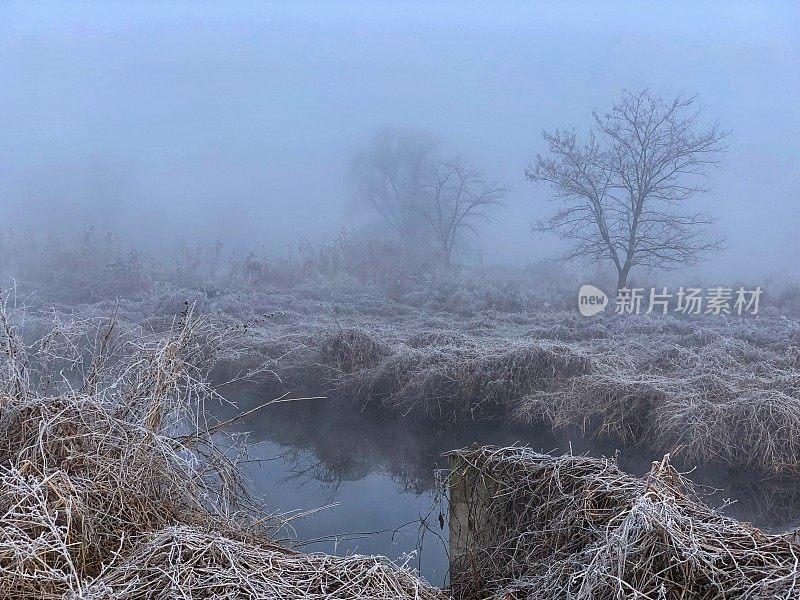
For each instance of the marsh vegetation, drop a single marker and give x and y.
(386, 300)
(114, 395)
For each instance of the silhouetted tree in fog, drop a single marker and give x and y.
(624, 186)
(388, 176)
(457, 196)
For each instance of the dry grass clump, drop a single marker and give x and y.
(729, 395)
(100, 478)
(758, 431)
(91, 461)
(113, 484)
(349, 350)
(578, 527)
(451, 384)
(714, 391)
(439, 337)
(189, 562)
(600, 404)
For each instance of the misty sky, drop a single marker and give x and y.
(162, 120)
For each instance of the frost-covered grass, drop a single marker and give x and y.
(354, 321)
(114, 483)
(113, 487)
(711, 390)
(553, 527)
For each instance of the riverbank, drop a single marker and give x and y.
(540, 527)
(116, 484)
(709, 390)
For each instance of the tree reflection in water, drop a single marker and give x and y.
(381, 475)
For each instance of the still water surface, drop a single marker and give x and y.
(376, 477)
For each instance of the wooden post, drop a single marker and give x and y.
(459, 508)
(470, 502)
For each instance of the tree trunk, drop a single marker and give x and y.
(622, 278)
(445, 252)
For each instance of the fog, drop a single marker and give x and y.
(266, 266)
(170, 121)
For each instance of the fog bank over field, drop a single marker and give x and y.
(281, 315)
(239, 120)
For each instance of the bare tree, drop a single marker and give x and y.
(624, 186)
(457, 198)
(388, 176)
